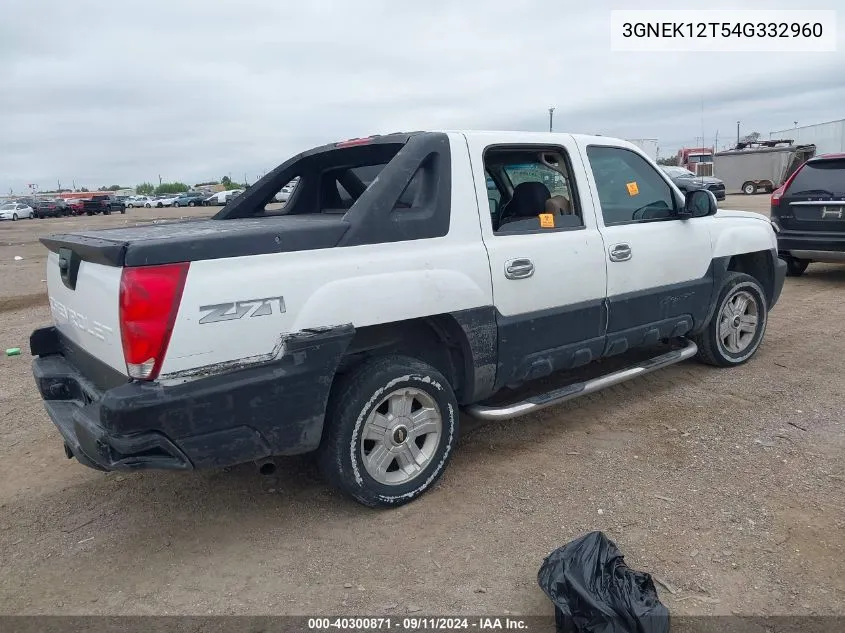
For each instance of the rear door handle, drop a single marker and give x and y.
(620, 253)
(520, 268)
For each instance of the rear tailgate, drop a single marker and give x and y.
(815, 199)
(83, 298)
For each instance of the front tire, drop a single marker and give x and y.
(736, 328)
(14, 217)
(749, 188)
(391, 427)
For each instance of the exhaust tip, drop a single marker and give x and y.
(267, 467)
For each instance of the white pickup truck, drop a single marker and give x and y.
(408, 276)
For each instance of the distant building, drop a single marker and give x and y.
(829, 138)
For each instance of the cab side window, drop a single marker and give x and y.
(530, 190)
(629, 188)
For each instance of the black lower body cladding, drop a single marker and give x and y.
(811, 241)
(211, 422)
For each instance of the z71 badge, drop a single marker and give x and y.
(240, 309)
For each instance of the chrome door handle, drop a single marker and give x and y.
(519, 268)
(620, 253)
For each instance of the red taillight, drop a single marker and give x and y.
(777, 194)
(149, 301)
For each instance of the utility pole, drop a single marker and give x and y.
(159, 180)
(737, 132)
(551, 118)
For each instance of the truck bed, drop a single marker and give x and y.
(194, 240)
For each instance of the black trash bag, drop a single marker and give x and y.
(594, 591)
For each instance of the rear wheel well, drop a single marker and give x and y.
(760, 266)
(437, 341)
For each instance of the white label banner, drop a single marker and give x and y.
(723, 31)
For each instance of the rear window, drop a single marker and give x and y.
(823, 175)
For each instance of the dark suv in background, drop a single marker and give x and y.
(105, 204)
(687, 181)
(50, 208)
(190, 199)
(808, 213)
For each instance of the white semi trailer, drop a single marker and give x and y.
(760, 165)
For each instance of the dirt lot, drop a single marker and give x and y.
(725, 484)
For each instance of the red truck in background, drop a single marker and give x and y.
(699, 160)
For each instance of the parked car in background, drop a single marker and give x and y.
(76, 205)
(139, 201)
(688, 181)
(26, 200)
(15, 211)
(808, 214)
(222, 197)
(189, 199)
(51, 208)
(286, 192)
(164, 201)
(103, 203)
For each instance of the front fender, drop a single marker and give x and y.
(748, 237)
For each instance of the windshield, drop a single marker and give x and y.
(700, 158)
(7, 207)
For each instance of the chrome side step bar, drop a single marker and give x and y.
(569, 392)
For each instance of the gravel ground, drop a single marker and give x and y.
(725, 484)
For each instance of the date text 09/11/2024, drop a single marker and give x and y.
(416, 624)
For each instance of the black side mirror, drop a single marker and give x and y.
(698, 204)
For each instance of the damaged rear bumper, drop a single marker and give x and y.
(234, 417)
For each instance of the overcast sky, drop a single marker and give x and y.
(121, 92)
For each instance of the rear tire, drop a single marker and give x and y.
(749, 188)
(391, 427)
(795, 267)
(738, 324)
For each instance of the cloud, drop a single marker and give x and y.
(122, 92)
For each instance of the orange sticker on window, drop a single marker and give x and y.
(633, 190)
(547, 220)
